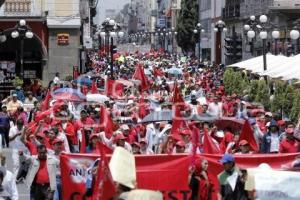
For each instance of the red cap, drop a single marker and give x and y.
(40, 134)
(180, 143)
(136, 144)
(57, 140)
(120, 137)
(94, 135)
(281, 123)
(143, 140)
(243, 142)
(289, 131)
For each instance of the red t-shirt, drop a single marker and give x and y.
(42, 176)
(289, 146)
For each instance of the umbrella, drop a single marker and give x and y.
(174, 71)
(204, 118)
(83, 81)
(68, 97)
(158, 116)
(230, 122)
(68, 91)
(97, 98)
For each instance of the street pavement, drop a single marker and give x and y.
(22, 188)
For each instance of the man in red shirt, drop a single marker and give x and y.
(41, 175)
(84, 121)
(289, 144)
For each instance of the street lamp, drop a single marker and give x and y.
(218, 29)
(2, 36)
(111, 29)
(198, 30)
(171, 34)
(260, 27)
(294, 34)
(22, 31)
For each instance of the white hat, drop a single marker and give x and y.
(144, 195)
(124, 127)
(122, 167)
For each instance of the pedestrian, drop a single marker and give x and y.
(41, 177)
(290, 144)
(270, 142)
(200, 181)
(4, 127)
(56, 79)
(16, 144)
(8, 182)
(231, 172)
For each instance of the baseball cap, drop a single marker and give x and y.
(243, 143)
(136, 144)
(93, 135)
(14, 95)
(124, 127)
(180, 143)
(120, 137)
(269, 114)
(143, 141)
(227, 158)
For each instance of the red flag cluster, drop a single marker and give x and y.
(139, 74)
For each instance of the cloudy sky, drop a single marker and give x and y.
(108, 4)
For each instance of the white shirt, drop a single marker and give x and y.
(16, 143)
(215, 109)
(56, 80)
(274, 147)
(9, 185)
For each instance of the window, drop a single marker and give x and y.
(205, 5)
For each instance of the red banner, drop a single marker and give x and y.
(167, 173)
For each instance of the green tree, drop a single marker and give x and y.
(187, 20)
(234, 82)
(262, 94)
(295, 110)
(278, 101)
(253, 88)
(227, 80)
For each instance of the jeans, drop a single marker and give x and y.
(58, 192)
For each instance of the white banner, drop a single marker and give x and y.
(280, 185)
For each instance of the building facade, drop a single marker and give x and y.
(282, 15)
(61, 33)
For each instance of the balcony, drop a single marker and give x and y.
(16, 8)
(286, 6)
(231, 12)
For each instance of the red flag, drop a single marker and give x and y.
(106, 122)
(45, 103)
(105, 187)
(83, 143)
(178, 123)
(113, 88)
(209, 146)
(142, 108)
(42, 115)
(248, 135)
(94, 89)
(139, 74)
(177, 97)
(158, 72)
(103, 147)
